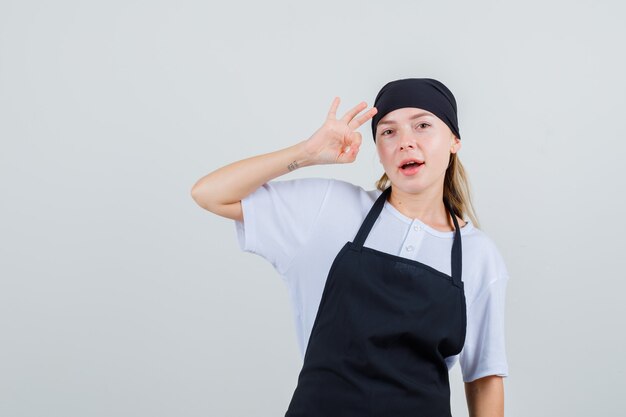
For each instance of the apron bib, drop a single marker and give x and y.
(384, 326)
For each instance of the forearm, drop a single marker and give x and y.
(485, 397)
(233, 182)
(336, 141)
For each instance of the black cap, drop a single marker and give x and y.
(423, 93)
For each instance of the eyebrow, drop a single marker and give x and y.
(415, 116)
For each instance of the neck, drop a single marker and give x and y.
(426, 206)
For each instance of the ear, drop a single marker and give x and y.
(455, 146)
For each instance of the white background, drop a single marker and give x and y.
(119, 296)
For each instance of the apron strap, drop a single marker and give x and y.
(369, 221)
(457, 254)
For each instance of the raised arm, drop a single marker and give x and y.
(336, 141)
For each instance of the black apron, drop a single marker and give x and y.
(384, 326)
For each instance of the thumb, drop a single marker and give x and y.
(352, 148)
(355, 140)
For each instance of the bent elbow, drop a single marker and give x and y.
(199, 197)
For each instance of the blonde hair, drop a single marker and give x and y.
(456, 189)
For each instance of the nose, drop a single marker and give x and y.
(407, 141)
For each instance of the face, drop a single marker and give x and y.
(412, 133)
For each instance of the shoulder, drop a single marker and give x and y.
(346, 195)
(332, 194)
(342, 186)
(481, 246)
(292, 190)
(299, 183)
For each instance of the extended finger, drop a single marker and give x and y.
(354, 111)
(332, 113)
(355, 123)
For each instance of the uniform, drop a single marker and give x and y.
(300, 225)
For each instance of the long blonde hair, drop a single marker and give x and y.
(456, 189)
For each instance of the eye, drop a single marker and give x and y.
(423, 124)
(383, 132)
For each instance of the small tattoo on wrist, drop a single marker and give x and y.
(293, 166)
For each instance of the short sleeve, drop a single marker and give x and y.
(484, 351)
(278, 218)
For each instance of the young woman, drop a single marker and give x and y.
(389, 286)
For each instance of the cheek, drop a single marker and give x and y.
(385, 148)
(441, 156)
(384, 155)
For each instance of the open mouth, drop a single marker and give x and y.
(411, 167)
(411, 164)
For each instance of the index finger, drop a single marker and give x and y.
(354, 111)
(355, 123)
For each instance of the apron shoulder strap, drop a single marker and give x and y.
(457, 254)
(369, 221)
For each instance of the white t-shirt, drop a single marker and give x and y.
(300, 225)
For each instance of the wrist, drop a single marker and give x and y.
(301, 156)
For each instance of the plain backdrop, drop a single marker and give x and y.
(119, 296)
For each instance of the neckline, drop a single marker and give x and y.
(449, 234)
(375, 211)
